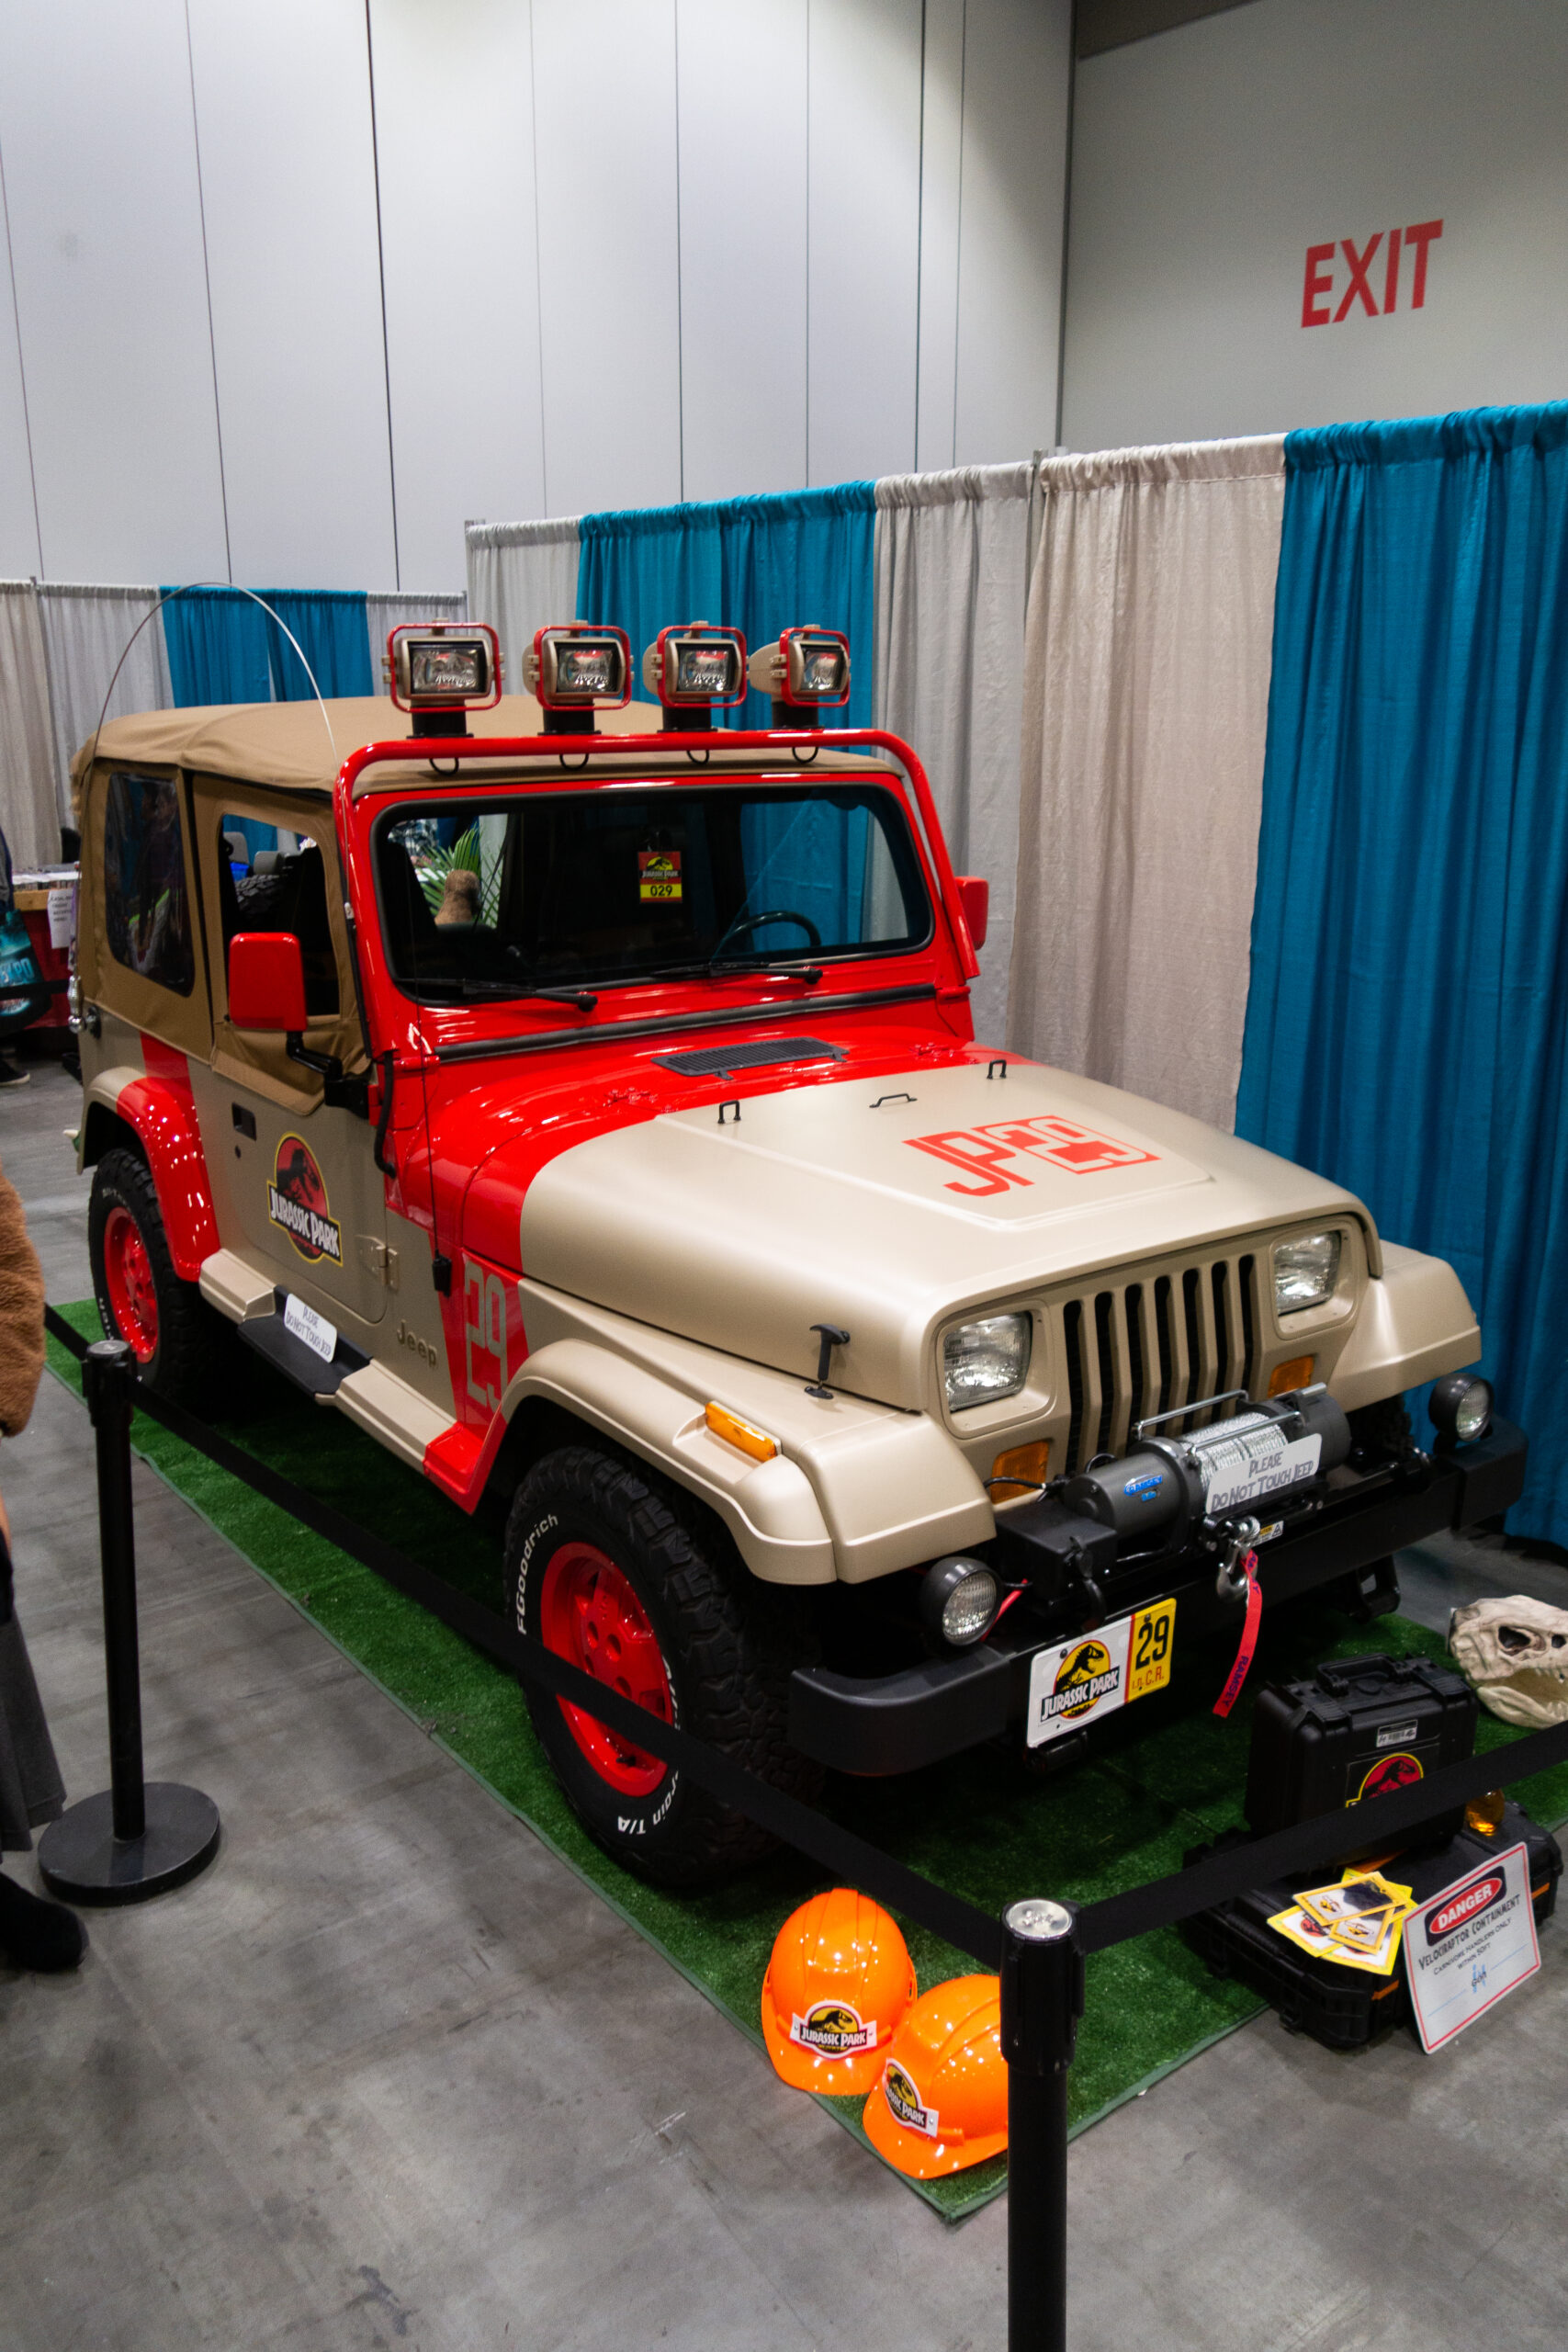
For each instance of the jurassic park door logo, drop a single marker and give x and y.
(296, 1203)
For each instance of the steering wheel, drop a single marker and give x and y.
(755, 922)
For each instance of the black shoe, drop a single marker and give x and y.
(12, 1074)
(36, 1934)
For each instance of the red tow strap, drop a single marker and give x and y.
(1244, 1656)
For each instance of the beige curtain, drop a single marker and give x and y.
(522, 576)
(29, 809)
(1146, 694)
(952, 579)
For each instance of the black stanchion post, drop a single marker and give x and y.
(136, 1838)
(1042, 2003)
(108, 1379)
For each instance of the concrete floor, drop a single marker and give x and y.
(389, 2075)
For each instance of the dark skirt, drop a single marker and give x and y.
(31, 1790)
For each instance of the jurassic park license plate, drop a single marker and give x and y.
(1081, 1681)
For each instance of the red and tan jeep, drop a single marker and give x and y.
(594, 1117)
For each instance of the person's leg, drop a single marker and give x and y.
(36, 1934)
(11, 1072)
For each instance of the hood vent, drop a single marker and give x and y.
(718, 1061)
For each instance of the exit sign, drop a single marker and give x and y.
(1359, 275)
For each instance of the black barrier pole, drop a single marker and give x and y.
(136, 1838)
(1042, 2003)
(107, 1380)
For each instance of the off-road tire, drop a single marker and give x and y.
(728, 1644)
(188, 1353)
(1380, 1433)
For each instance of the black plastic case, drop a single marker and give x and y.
(1345, 2008)
(1359, 1726)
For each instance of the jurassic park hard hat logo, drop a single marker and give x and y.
(296, 1203)
(903, 2100)
(833, 2027)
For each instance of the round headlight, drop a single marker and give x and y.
(959, 1600)
(1460, 1407)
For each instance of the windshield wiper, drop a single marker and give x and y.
(487, 991)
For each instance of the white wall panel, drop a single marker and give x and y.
(20, 557)
(865, 236)
(605, 124)
(742, 94)
(1017, 71)
(455, 137)
(283, 112)
(941, 175)
(1208, 160)
(105, 237)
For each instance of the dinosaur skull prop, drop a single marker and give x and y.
(1515, 1652)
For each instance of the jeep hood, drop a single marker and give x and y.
(883, 1205)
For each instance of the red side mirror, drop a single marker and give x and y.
(975, 898)
(267, 981)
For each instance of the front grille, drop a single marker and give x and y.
(1140, 1348)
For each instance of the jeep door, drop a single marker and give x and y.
(295, 1183)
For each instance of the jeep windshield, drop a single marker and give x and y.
(496, 896)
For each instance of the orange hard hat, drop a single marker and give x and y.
(942, 2101)
(837, 1988)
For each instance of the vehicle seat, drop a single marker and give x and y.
(411, 935)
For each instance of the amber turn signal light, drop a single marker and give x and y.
(1019, 1471)
(731, 1427)
(1297, 1373)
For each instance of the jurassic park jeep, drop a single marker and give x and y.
(587, 1105)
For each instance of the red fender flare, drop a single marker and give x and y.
(164, 1122)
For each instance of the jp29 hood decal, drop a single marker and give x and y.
(297, 1202)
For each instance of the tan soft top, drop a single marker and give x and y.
(288, 744)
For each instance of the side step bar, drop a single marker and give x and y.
(278, 1347)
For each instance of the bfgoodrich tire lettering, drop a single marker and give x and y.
(174, 1332)
(725, 1644)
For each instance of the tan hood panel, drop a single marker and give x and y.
(817, 1207)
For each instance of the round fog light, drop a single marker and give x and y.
(959, 1601)
(1460, 1407)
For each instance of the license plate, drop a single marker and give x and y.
(1082, 1682)
(303, 1323)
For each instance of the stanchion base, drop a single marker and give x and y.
(81, 1859)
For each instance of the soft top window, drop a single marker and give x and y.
(146, 908)
(494, 897)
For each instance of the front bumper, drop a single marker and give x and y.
(895, 1723)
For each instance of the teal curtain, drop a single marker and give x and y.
(218, 647)
(224, 648)
(1407, 1026)
(757, 564)
(332, 627)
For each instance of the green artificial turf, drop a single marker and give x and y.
(1166, 1773)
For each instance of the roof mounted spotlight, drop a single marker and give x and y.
(694, 668)
(439, 671)
(574, 666)
(805, 670)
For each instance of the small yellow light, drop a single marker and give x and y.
(1297, 1373)
(738, 1432)
(1020, 1470)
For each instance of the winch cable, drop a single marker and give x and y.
(1219, 1878)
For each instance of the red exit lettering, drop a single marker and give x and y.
(1318, 285)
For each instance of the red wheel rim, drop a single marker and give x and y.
(133, 1295)
(590, 1615)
